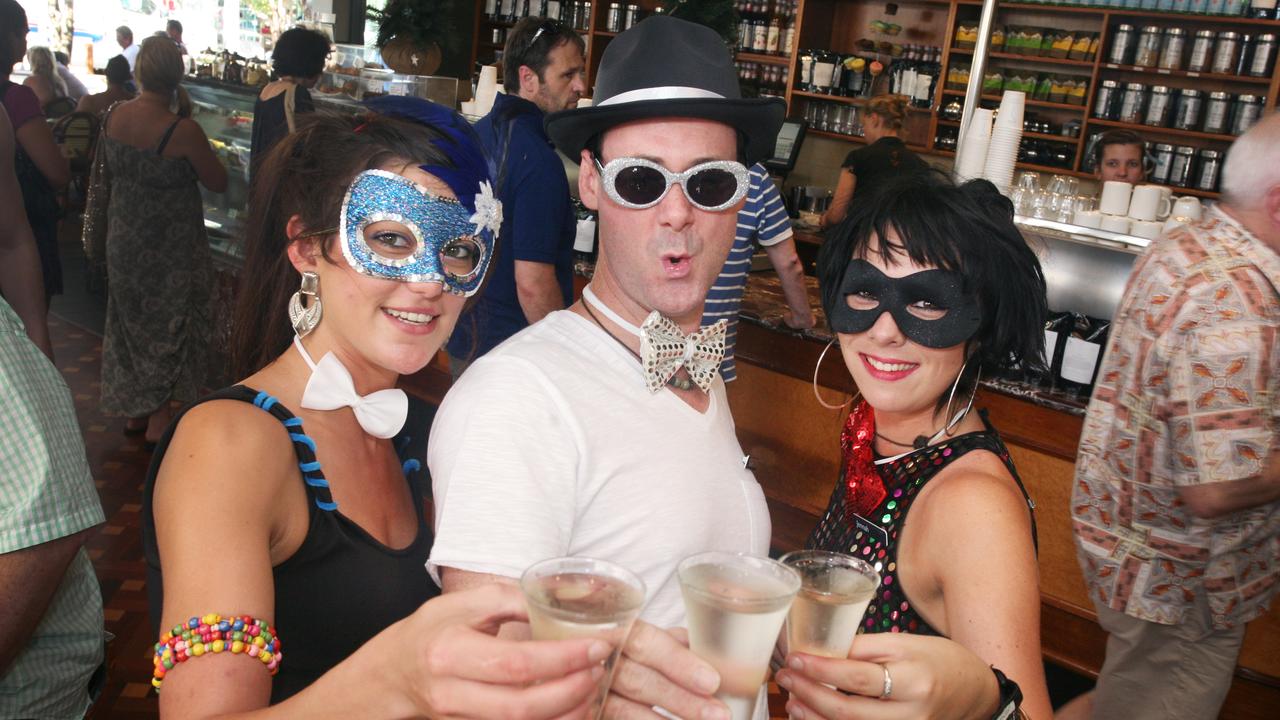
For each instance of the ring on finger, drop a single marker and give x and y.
(887, 689)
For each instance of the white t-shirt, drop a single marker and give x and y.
(131, 54)
(550, 445)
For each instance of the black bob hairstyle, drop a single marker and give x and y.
(967, 229)
(300, 52)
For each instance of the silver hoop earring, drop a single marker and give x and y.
(951, 421)
(818, 397)
(306, 316)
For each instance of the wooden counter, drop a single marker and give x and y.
(794, 446)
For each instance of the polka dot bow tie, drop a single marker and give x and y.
(664, 349)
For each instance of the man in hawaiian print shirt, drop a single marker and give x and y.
(1176, 500)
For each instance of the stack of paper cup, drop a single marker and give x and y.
(971, 157)
(486, 89)
(1002, 152)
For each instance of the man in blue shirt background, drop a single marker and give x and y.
(544, 71)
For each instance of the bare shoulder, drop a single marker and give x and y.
(975, 492)
(188, 133)
(231, 442)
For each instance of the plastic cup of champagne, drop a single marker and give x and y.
(571, 598)
(735, 607)
(835, 590)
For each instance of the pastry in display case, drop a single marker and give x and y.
(342, 74)
(226, 117)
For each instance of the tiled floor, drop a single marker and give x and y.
(119, 465)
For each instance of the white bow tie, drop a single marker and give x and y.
(382, 413)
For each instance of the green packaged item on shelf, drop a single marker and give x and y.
(1015, 40)
(1043, 88)
(993, 82)
(1024, 82)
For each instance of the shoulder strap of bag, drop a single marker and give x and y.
(290, 99)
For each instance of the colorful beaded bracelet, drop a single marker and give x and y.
(215, 634)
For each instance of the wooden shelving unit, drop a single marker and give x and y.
(1041, 59)
(836, 25)
(1069, 107)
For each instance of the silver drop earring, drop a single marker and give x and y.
(305, 317)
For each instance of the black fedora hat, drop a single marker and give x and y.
(667, 67)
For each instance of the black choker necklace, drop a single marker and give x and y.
(675, 381)
(921, 441)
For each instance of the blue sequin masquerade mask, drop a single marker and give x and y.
(393, 228)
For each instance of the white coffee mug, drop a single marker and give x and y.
(1167, 192)
(1088, 218)
(1115, 197)
(1149, 202)
(1116, 223)
(1186, 207)
(1146, 229)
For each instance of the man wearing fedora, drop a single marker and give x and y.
(603, 430)
(561, 441)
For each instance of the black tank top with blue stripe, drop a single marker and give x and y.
(342, 586)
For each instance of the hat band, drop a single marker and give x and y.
(665, 92)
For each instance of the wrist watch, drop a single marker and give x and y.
(1010, 697)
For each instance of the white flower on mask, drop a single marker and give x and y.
(488, 213)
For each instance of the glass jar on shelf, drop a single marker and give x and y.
(1147, 53)
(1172, 45)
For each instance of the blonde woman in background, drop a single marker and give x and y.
(885, 156)
(158, 270)
(44, 80)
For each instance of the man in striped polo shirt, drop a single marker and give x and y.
(762, 219)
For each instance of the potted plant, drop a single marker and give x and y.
(412, 33)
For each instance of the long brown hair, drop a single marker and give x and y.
(307, 174)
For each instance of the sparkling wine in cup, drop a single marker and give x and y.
(834, 592)
(735, 606)
(571, 598)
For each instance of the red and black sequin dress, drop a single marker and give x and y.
(869, 507)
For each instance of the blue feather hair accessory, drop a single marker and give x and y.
(471, 177)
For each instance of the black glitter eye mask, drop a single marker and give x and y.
(942, 289)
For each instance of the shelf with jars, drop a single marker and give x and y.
(1191, 74)
(1210, 11)
(1149, 71)
(1155, 130)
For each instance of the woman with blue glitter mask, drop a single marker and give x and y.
(294, 499)
(928, 287)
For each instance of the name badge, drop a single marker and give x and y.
(874, 533)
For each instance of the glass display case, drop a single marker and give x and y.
(225, 113)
